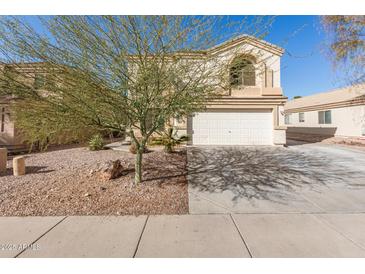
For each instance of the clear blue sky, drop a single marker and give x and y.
(304, 69)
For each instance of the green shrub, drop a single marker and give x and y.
(96, 142)
(169, 140)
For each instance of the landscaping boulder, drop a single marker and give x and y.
(111, 170)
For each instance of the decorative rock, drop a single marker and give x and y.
(111, 170)
(3, 159)
(19, 166)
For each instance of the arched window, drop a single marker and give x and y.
(242, 72)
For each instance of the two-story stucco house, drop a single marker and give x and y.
(249, 113)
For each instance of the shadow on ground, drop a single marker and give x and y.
(28, 170)
(172, 173)
(260, 172)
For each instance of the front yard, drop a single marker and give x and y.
(66, 182)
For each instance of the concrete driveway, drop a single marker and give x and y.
(307, 178)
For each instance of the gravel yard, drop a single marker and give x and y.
(65, 182)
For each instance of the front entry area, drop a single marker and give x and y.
(242, 127)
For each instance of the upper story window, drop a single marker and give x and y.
(324, 117)
(242, 72)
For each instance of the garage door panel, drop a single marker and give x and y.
(232, 128)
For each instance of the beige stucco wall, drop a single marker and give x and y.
(349, 121)
(279, 136)
(281, 115)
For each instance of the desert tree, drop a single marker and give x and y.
(346, 44)
(115, 72)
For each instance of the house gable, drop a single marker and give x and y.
(246, 40)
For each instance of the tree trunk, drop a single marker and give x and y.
(168, 148)
(138, 165)
(141, 146)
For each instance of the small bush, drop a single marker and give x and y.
(169, 139)
(96, 142)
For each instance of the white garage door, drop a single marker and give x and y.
(233, 128)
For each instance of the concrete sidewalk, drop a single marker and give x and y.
(211, 235)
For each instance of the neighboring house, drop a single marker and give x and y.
(10, 136)
(249, 113)
(339, 112)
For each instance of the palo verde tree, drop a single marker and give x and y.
(115, 72)
(346, 44)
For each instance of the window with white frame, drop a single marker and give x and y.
(324, 117)
(301, 117)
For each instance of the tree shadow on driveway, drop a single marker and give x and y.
(265, 173)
